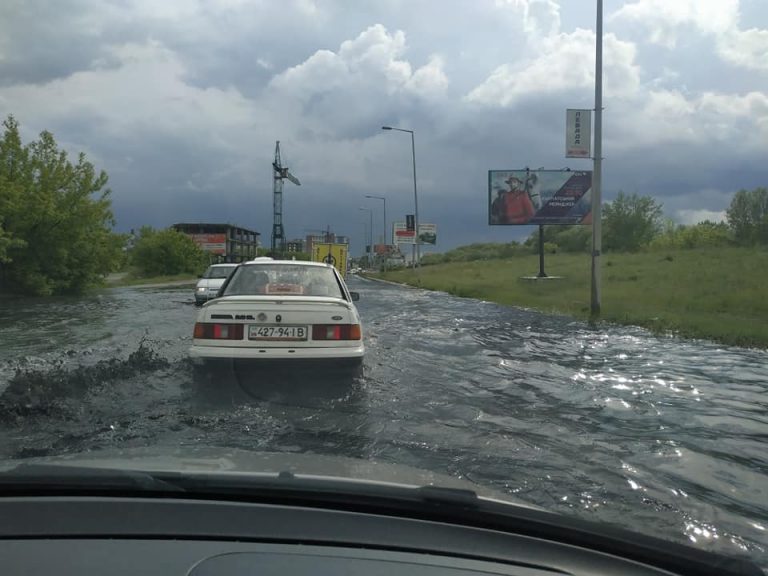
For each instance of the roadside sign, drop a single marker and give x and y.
(578, 133)
(401, 234)
(525, 197)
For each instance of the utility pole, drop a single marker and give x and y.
(597, 212)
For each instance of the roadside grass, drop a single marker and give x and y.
(719, 294)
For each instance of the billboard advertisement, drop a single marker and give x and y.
(578, 133)
(212, 243)
(536, 197)
(427, 233)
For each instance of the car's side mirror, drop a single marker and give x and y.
(355, 296)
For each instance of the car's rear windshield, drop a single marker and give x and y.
(284, 280)
(218, 271)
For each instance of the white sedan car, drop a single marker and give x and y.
(280, 310)
(210, 282)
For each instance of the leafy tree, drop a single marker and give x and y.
(631, 222)
(748, 216)
(168, 251)
(55, 218)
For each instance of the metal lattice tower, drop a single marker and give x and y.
(279, 173)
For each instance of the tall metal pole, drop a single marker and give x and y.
(370, 213)
(384, 222)
(415, 203)
(416, 245)
(597, 240)
(369, 238)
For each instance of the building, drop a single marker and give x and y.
(224, 242)
(294, 245)
(324, 238)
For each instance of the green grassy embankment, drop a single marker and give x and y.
(716, 293)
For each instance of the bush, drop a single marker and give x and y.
(167, 252)
(702, 235)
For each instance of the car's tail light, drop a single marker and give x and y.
(210, 331)
(336, 332)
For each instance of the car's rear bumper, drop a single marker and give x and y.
(200, 354)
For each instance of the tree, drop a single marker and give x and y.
(160, 252)
(630, 222)
(748, 216)
(55, 218)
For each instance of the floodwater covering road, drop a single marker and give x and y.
(660, 435)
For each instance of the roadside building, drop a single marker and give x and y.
(294, 245)
(224, 242)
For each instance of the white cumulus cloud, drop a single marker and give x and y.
(566, 62)
(372, 61)
(667, 20)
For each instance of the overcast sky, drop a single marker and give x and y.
(181, 102)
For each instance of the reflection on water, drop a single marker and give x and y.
(659, 435)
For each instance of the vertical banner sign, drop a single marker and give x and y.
(578, 133)
(410, 222)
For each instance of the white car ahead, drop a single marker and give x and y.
(280, 310)
(210, 282)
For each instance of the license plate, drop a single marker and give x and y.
(277, 332)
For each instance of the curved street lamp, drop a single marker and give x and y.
(415, 194)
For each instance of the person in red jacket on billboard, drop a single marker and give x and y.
(518, 208)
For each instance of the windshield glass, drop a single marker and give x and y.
(473, 237)
(218, 272)
(283, 279)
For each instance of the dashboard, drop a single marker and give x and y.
(71, 535)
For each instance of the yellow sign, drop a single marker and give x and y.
(333, 254)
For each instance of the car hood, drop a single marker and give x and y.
(214, 460)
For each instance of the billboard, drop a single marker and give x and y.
(578, 133)
(213, 243)
(537, 197)
(401, 234)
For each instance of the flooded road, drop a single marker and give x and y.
(662, 436)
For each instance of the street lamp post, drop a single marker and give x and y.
(415, 194)
(384, 221)
(597, 242)
(370, 235)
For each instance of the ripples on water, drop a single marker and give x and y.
(659, 435)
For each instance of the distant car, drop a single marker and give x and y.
(280, 310)
(210, 282)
